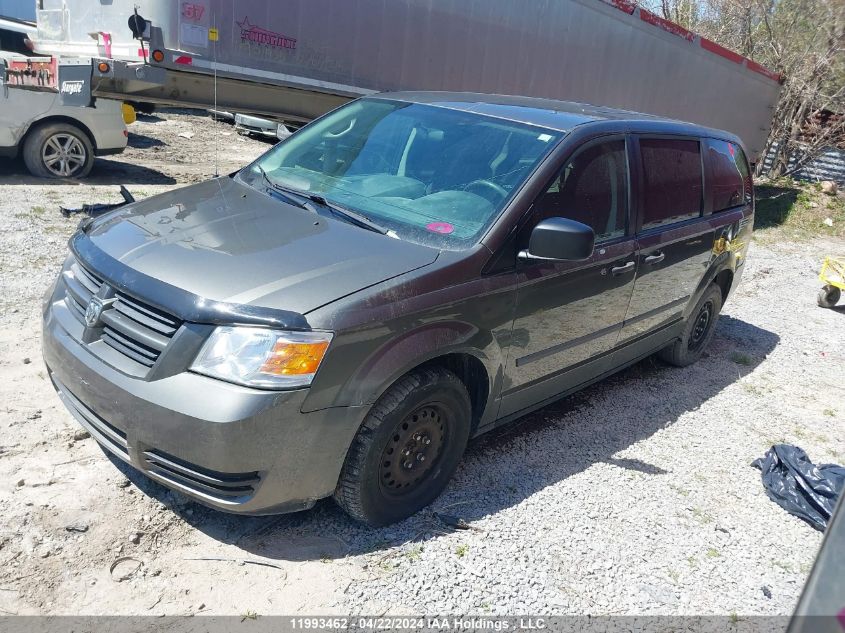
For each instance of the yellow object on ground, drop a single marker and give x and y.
(128, 113)
(833, 272)
(832, 276)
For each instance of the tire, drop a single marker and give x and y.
(428, 404)
(68, 147)
(828, 296)
(698, 330)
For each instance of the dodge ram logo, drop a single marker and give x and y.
(93, 312)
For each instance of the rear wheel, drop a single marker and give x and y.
(829, 296)
(407, 449)
(58, 150)
(698, 330)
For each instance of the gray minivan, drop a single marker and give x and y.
(341, 316)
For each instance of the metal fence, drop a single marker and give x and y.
(829, 165)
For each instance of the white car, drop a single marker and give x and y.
(250, 125)
(57, 141)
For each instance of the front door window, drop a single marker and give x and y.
(570, 312)
(592, 188)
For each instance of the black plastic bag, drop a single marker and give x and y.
(799, 486)
(98, 208)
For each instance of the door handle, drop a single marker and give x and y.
(656, 258)
(627, 267)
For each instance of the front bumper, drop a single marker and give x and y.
(230, 447)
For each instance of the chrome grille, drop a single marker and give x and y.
(137, 330)
(147, 316)
(140, 332)
(81, 286)
(86, 278)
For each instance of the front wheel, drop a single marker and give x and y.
(407, 449)
(58, 150)
(698, 330)
(828, 296)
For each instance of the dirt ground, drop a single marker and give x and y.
(68, 512)
(654, 455)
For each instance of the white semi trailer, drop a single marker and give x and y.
(296, 59)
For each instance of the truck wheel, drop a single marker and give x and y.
(58, 150)
(407, 449)
(698, 330)
(828, 296)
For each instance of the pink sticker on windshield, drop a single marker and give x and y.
(440, 227)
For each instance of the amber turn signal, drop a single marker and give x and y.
(158, 56)
(103, 67)
(294, 359)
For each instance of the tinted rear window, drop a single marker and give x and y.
(672, 181)
(730, 180)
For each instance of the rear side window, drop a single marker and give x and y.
(730, 179)
(672, 181)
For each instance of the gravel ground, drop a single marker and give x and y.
(633, 497)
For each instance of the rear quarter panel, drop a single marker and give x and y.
(733, 230)
(19, 108)
(104, 122)
(732, 233)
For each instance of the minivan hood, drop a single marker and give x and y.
(224, 241)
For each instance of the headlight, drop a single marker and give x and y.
(257, 357)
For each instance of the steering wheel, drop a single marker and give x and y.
(488, 190)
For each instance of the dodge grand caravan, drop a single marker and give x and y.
(341, 316)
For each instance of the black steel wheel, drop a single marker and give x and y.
(407, 449)
(698, 330)
(700, 326)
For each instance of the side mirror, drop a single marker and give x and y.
(560, 239)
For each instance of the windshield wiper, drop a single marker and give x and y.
(287, 192)
(350, 215)
(353, 216)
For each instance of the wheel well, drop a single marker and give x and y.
(724, 280)
(472, 373)
(60, 119)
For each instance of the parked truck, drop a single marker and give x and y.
(295, 61)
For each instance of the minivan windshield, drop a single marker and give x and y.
(428, 174)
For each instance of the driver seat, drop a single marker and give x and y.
(471, 159)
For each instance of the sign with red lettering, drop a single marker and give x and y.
(193, 11)
(258, 35)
